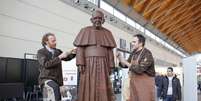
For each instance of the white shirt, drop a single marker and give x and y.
(50, 50)
(169, 92)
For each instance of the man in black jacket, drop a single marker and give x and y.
(171, 87)
(49, 58)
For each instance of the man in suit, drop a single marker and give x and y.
(49, 58)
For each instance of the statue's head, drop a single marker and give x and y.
(97, 19)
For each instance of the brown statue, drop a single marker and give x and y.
(95, 60)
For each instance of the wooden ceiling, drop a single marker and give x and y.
(179, 20)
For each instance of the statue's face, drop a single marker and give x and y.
(97, 19)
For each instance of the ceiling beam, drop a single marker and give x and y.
(175, 25)
(140, 6)
(177, 4)
(151, 8)
(164, 7)
(172, 15)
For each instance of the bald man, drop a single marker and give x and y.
(95, 60)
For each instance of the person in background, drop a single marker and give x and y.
(171, 87)
(49, 58)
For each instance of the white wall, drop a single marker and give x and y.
(190, 78)
(23, 22)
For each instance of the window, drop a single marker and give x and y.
(119, 15)
(122, 44)
(112, 11)
(148, 33)
(141, 29)
(106, 7)
(94, 1)
(131, 46)
(130, 22)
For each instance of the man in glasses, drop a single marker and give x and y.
(95, 60)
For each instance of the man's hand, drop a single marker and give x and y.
(122, 60)
(62, 90)
(73, 51)
(81, 69)
(63, 55)
(119, 56)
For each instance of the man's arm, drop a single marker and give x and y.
(44, 62)
(160, 87)
(179, 90)
(69, 55)
(146, 62)
(122, 62)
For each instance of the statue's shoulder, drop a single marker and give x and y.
(107, 30)
(87, 28)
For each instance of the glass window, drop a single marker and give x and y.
(94, 1)
(123, 46)
(130, 22)
(119, 15)
(106, 7)
(148, 33)
(137, 26)
(122, 43)
(141, 28)
(158, 39)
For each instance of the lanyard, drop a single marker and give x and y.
(137, 57)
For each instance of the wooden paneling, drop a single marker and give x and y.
(179, 20)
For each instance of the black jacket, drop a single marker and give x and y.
(158, 83)
(176, 87)
(50, 66)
